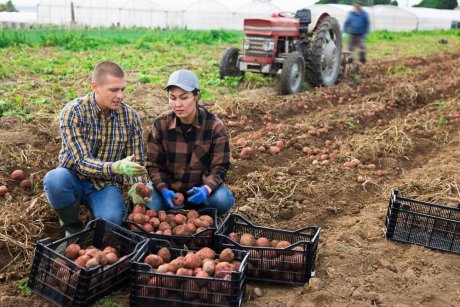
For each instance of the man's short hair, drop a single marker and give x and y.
(106, 68)
(358, 3)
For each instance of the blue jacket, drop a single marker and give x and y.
(357, 23)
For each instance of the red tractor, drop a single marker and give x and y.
(284, 44)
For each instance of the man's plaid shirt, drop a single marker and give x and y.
(180, 162)
(90, 138)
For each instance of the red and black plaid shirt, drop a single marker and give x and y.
(181, 160)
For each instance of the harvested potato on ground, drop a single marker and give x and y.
(3, 190)
(25, 184)
(18, 174)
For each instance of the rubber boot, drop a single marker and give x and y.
(68, 218)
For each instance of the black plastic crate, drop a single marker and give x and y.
(194, 242)
(423, 223)
(64, 283)
(149, 288)
(291, 265)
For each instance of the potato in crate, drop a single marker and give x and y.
(80, 269)
(423, 223)
(166, 276)
(189, 229)
(275, 255)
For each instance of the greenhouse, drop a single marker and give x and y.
(220, 14)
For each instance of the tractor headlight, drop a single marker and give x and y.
(269, 46)
(246, 45)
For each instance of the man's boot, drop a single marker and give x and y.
(68, 218)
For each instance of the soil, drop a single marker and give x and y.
(403, 129)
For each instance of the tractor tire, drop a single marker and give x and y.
(229, 63)
(324, 53)
(293, 73)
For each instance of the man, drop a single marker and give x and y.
(357, 25)
(188, 151)
(101, 139)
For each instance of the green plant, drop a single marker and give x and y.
(442, 121)
(441, 103)
(351, 125)
(109, 301)
(23, 288)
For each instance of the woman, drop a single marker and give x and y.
(188, 151)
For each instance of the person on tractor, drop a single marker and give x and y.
(188, 151)
(101, 139)
(357, 25)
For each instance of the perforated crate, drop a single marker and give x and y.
(195, 241)
(292, 265)
(64, 283)
(149, 288)
(423, 223)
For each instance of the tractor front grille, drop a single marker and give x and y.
(258, 46)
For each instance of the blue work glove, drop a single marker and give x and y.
(198, 195)
(168, 195)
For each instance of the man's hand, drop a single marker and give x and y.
(168, 195)
(198, 195)
(128, 167)
(137, 199)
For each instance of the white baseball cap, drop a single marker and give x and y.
(185, 79)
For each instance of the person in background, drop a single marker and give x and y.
(101, 140)
(188, 151)
(357, 25)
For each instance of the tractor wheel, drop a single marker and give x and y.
(323, 61)
(229, 63)
(293, 73)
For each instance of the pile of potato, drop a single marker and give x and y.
(247, 239)
(91, 257)
(204, 263)
(161, 222)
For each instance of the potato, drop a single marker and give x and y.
(179, 201)
(163, 226)
(138, 218)
(193, 214)
(223, 267)
(227, 255)
(206, 253)
(142, 190)
(72, 251)
(274, 243)
(165, 254)
(208, 219)
(180, 219)
(148, 227)
(153, 260)
(151, 213)
(111, 258)
(176, 264)
(209, 266)
(167, 232)
(92, 263)
(163, 268)
(3, 190)
(101, 258)
(25, 184)
(18, 174)
(82, 260)
(155, 222)
(247, 239)
(236, 265)
(139, 209)
(192, 261)
(202, 274)
(182, 230)
(234, 236)
(262, 242)
(184, 272)
(109, 249)
(163, 216)
(283, 244)
(191, 227)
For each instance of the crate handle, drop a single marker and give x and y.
(242, 217)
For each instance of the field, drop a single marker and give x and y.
(399, 117)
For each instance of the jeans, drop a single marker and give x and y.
(357, 40)
(63, 188)
(221, 199)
